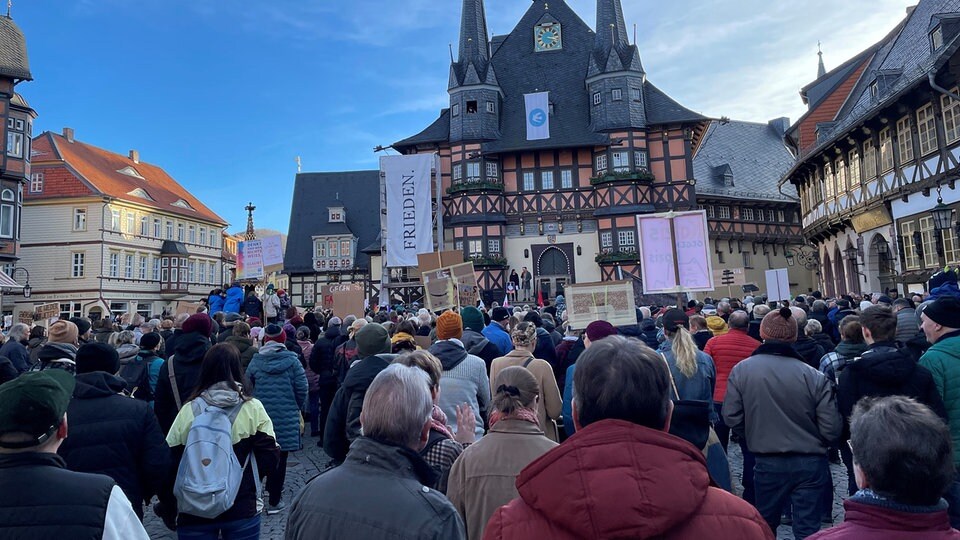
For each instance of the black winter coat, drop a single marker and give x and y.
(186, 366)
(648, 333)
(810, 350)
(7, 371)
(343, 423)
(824, 341)
(322, 357)
(885, 370)
(117, 436)
(546, 351)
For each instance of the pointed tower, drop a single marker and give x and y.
(475, 94)
(821, 70)
(251, 233)
(615, 76)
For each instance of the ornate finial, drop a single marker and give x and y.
(299, 165)
(450, 45)
(250, 235)
(546, 5)
(819, 49)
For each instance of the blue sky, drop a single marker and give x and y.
(225, 94)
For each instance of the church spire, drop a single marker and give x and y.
(251, 232)
(821, 70)
(612, 49)
(473, 32)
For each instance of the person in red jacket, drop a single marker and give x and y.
(727, 351)
(622, 475)
(898, 498)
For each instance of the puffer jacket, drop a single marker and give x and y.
(313, 380)
(234, 300)
(117, 436)
(809, 350)
(215, 303)
(907, 326)
(878, 518)
(279, 382)
(727, 351)
(246, 348)
(343, 423)
(186, 367)
(614, 479)
(648, 333)
(943, 361)
(885, 370)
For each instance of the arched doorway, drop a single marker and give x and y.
(839, 272)
(879, 268)
(553, 273)
(829, 284)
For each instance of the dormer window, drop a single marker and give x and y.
(875, 90)
(472, 107)
(182, 204)
(336, 214)
(455, 110)
(141, 193)
(130, 171)
(936, 37)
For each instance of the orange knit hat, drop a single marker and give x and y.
(449, 325)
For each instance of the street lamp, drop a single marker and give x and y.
(27, 289)
(851, 253)
(942, 214)
(883, 248)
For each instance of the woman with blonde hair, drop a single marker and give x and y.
(443, 447)
(550, 405)
(484, 477)
(693, 370)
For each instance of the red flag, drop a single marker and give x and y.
(540, 297)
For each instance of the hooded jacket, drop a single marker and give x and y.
(135, 371)
(252, 306)
(186, 361)
(246, 348)
(943, 361)
(343, 422)
(322, 360)
(648, 333)
(885, 370)
(727, 351)
(809, 350)
(878, 519)
(33, 348)
(215, 303)
(234, 301)
(464, 380)
(252, 432)
(117, 436)
(907, 326)
(279, 382)
(56, 356)
(615, 479)
(380, 492)
(478, 345)
(18, 355)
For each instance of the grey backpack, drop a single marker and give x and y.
(209, 475)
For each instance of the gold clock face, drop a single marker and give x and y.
(547, 37)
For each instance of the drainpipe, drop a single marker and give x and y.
(938, 88)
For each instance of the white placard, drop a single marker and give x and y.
(778, 285)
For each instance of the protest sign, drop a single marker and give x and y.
(778, 285)
(611, 301)
(674, 252)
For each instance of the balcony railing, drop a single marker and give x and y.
(474, 184)
(624, 255)
(640, 176)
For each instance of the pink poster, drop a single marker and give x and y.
(693, 257)
(656, 255)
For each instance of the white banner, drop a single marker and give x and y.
(409, 207)
(538, 116)
(778, 285)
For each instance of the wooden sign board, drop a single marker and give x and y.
(48, 311)
(611, 301)
(427, 262)
(344, 299)
(187, 307)
(738, 275)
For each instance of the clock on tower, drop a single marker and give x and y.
(547, 37)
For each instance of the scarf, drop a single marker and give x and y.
(527, 415)
(438, 422)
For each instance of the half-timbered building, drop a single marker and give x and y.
(870, 181)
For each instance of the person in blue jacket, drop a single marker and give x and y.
(215, 301)
(594, 332)
(234, 300)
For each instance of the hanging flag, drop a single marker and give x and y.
(506, 301)
(409, 207)
(540, 297)
(538, 116)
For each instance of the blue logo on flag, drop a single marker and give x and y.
(538, 117)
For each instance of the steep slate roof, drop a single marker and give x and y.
(13, 51)
(814, 93)
(563, 73)
(313, 193)
(906, 54)
(99, 168)
(753, 152)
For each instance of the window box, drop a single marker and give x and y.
(617, 256)
(483, 260)
(478, 185)
(640, 176)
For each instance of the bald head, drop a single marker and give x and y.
(739, 320)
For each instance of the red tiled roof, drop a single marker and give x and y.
(100, 168)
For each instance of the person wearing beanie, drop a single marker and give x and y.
(83, 329)
(464, 378)
(787, 413)
(343, 423)
(940, 323)
(278, 380)
(185, 361)
(717, 326)
(150, 345)
(60, 350)
(496, 331)
(550, 404)
(473, 339)
(110, 433)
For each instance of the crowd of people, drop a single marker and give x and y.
(489, 423)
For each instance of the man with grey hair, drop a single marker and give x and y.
(381, 490)
(724, 309)
(14, 348)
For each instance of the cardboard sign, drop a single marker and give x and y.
(611, 301)
(450, 287)
(187, 307)
(344, 299)
(48, 311)
(675, 251)
(25, 317)
(427, 262)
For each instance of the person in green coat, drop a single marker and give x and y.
(279, 382)
(940, 323)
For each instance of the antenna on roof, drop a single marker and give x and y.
(9, 5)
(450, 45)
